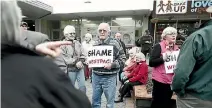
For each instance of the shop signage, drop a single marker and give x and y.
(171, 6)
(200, 6)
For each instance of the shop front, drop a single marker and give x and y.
(33, 10)
(130, 23)
(185, 15)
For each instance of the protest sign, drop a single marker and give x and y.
(99, 56)
(171, 61)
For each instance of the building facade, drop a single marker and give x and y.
(185, 15)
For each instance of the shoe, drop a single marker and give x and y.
(119, 100)
(128, 95)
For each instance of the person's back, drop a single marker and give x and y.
(193, 72)
(32, 81)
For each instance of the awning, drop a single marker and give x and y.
(34, 9)
(67, 16)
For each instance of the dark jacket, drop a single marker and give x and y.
(123, 46)
(193, 73)
(143, 41)
(118, 57)
(32, 81)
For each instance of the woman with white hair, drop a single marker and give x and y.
(87, 44)
(137, 76)
(29, 80)
(162, 93)
(131, 62)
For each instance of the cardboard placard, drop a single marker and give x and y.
(99, 56)
(171, 61)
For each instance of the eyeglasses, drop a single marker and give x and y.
(72, 33)
(23, 26)
(102, 30)
(170, 33)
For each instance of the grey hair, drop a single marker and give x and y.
(108, 26)
(168, 31)
(141, 56)
(88, 35)
(11, 17)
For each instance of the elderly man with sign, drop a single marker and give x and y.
(105, 59)
(163, 60)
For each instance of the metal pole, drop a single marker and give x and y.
(155, 32)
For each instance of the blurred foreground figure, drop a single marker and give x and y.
(28, 79)
(192, 81)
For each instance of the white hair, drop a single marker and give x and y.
(11, 17)
(168, 31)
(88, 35)
(141, 56)
(68, 29)
(106, 24)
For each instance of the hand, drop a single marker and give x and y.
(124, 78)
(126, 82)
(86, 62)
(165, 57)
(108, 66)
(51, 48)
(79, 65)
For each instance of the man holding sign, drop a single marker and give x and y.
(105, 59)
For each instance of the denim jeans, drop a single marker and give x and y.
(80, 77)
(190, 101)
(106, 84)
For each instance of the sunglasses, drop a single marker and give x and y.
(23, 26)
(102, 30)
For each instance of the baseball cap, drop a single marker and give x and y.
(24, 23)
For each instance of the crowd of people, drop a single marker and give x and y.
(37, 72)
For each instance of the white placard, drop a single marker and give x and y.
(99, 56)
(171, 61)
(171, 6)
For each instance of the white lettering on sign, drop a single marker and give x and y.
(171, 61)
(200, 6)
(99, 56)
(171, 6)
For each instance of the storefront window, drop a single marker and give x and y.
(125, 26)
(184, 28)
(90, 26)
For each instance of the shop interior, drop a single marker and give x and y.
(184, 27)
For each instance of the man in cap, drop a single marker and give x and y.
(31, 39)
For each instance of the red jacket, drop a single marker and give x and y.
(139, 73)
(130, 68)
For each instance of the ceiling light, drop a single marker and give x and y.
(87, 1)
(123, 18)
(24, 17)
